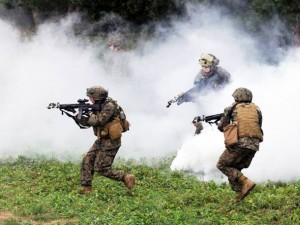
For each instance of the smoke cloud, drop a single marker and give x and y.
(56, 66)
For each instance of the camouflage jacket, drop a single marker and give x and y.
(98, 119)
(228, 117)
(216, 80)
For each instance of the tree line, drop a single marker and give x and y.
(250, 13)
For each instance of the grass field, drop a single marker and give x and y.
(45, 191)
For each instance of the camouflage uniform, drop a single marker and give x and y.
(239, 156)
(101, 155)
(216, 80)
(211, 76)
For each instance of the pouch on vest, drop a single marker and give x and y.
(125, 125)
(124, 122)
(231, 134)
(114, 129)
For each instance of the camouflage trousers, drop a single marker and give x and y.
(232, 161)
(99, 159)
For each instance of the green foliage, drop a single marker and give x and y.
(139, 12)
(287, 10)
(46, 190)
(257, 17)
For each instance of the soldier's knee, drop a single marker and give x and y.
(103, 171)
(219, 165)
(85, 160)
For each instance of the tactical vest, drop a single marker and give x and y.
(103, 131)
(248, 121)
(116, 125)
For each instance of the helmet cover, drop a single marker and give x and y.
(97, 92)
(208, 60)
(242, 95)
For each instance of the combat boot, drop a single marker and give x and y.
(129, 181)
(85, 190)
(247, 186)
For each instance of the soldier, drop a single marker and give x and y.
(107, 128)
(211, 74)
(247, 118)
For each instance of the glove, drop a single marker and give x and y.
(199, 127)
(196, 119)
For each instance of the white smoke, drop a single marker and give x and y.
(56, 66)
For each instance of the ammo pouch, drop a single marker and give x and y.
(124, 122)
(113, 129)
(231, 134)
(125, 125)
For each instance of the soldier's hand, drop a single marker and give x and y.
(199, 127)
(197, 119)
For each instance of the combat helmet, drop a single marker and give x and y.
(97, 92)
(208, 60)
(242, 95)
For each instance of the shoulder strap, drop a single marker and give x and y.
(231, 110)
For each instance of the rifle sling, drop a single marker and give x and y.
(231, 110)
(73, 117)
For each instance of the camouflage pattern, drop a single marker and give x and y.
(239, 156)
(232, 161)
(99, 159)
(216, 80)
(101, 155)
(110, 110)
(97, 92)
(242, 95)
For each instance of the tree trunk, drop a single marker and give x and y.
(72, 8)
(36, 17)
(296, 32)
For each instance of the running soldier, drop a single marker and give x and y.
(108, 127)
(248, 119)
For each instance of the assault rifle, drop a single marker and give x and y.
(213, 119)
(83, 109)
(187, 96)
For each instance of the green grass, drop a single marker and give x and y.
(45, 191)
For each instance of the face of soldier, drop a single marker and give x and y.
(92, 100)
(206, 70)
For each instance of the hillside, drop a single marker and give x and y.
(45, 191)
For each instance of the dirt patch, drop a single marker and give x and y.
(5, 215)
(8, 215)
